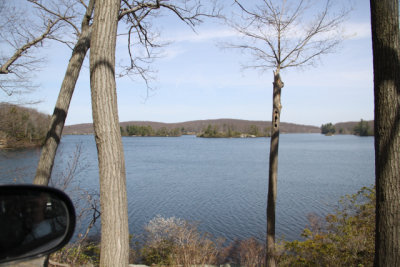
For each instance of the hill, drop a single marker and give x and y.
(198, 126)
(21, 127)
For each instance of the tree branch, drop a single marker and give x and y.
(61, 17)
(137, 15)
(4, 69)
(273, 29)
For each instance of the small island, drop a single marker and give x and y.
(140, 130)
(328, 129)
(229, 132)
(211, 131)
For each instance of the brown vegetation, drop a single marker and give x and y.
(343, 238)
(21, 127)
(173, 241)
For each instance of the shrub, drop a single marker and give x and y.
(249, 253)
(345, 238)
(77, 254)
(173, 241)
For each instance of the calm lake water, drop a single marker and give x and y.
(221, 183)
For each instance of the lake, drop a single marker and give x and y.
(220, 183)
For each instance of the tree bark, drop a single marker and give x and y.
(53, 138)
(386, 59)
(273, 170)
(113, 199)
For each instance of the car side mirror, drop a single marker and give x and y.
(34, 221)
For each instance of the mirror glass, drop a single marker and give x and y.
(33, 221)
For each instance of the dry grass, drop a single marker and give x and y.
(174, 241)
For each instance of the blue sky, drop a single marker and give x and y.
(196, 79)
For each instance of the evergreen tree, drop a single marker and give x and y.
(328, 128)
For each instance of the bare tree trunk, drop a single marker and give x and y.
(46, 161)
(113, 199)
(386, 57)
(273, 171)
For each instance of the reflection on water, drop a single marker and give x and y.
(222, 183)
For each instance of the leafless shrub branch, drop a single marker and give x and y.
(86, 204)
(180, 242)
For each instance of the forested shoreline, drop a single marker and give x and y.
(361, 128)
(21, 127)
(137, 130)
(197, 127)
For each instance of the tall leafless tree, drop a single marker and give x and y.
(46, 161)
(386, 59)
(280, 35)
(137, 15)
(113, 199)
(111, 163)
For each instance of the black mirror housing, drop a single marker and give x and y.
(34, 221)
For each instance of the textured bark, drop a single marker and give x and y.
(46, 161)
(386, 58)
(113, 199)
(272, 24)
(273, 171)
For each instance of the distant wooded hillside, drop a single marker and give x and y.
(199, 126)
(21, 127)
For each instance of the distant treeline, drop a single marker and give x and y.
(229, 131)
(138, 130)
(362, 128)
(21, 127)
(200, 126)
(211, 131)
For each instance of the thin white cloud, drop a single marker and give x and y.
(357, 30)
(171, 52)
(203, 35)
(349, 30)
